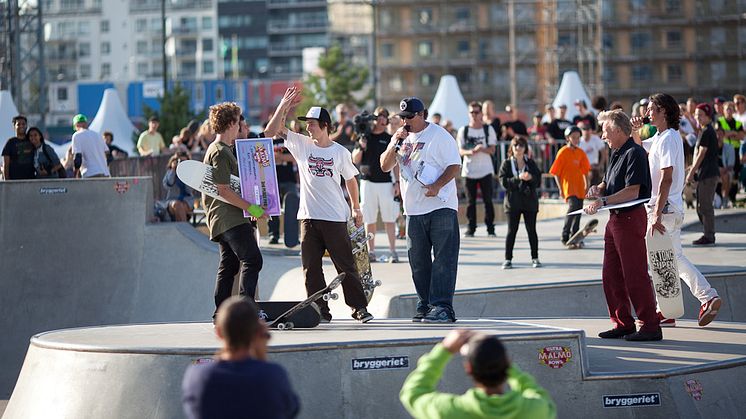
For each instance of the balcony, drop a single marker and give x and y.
(295, 4)
(60, 56)
(284, 50)
(155, 5)
(306, 26)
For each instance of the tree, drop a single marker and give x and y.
(339, 81)
(174, 113)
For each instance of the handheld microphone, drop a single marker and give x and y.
(645, 120)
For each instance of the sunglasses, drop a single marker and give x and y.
(409, 116)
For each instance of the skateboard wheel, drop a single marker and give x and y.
(378, 283)
(367, 293)
(326, 297)
(289, 325)
(281, 326)
(334, 296)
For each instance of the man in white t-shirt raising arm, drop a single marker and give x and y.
(323, 211)
(596, 150)
(90, 150)
(666, 206)
(428, 160)
(476, 143)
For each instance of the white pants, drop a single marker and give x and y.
(692, 277)
(378, 195)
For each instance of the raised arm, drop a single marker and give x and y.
(276, 125)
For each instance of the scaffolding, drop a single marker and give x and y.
(22, 56)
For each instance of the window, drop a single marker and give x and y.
(156, 24)
(716, 5)
(640, 40)
(84, 49)
(498, 12)
(673, 6)
(385, 19)
(62, 94)
(717, 37)
(484, 49)
(717, 71)
(140, 25)
(463, 14)
(425, 16)
(387, 50)
(71, 4)
(85, 71)
(610, 75)
(208, 67)
(261, 65)
(219, 93)
(188, 24)
(142, 47)
(105, 70)
(608, 41)
(142, 69)
(674, 72)
(673, 39)
(642, 73)
(463, 47)
(232, 21)
(104, 26)
(207, 45)
(425, 48)
(426, 79)
(105, 48)
(206, 22)
(567, 40)
(395, 83)
(84, 28)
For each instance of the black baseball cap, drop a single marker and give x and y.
(410, 106)
(572, 128)
(318, 113)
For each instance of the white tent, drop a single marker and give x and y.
(449, 102)
(7, 111)
(112, 117)
(570, 90)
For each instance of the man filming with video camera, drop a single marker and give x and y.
(377, 189)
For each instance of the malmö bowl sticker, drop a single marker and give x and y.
(555, 356)
(694, 388)
(121, 187)
(200, 361)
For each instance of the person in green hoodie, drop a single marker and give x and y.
(488, 365)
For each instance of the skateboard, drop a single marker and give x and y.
(283, 321)
(689, 195)
(306, 318)
(665, 274)
(359, 241)
(576, 241)
(290, 220)
(199, 176)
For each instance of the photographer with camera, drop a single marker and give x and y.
(377, 190)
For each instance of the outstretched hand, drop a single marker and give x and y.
(456, 339)
(291, 98)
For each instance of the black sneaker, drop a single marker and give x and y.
(274, 240)
(417, 318)
(645, 336)
(362, 315)
(325, 318)
(469, 233)
(439, 315)
(616, 333)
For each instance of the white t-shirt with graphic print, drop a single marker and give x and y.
(435, 147)
(320, 170)
(479, 165)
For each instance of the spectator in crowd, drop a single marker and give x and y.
(625, 272)
(436, 118)
(489, 115)
(448, 126)
(520, 177)
(477, 143)
(151, 142)
(538, 130)
(570, 169)
(727, 163)
(395, 122)
(115, 153)
(740, 102)
(742, 157)
(647, 130)
(179, 142)
(377, 189)
(688, 131)
(89, 149)
(343, 128)
(549, 114)
(46, 163)
(706, 172)
(584, 115)
(487, 363)
(179, 196)
(719, 107)
(18, 153)
(616, 106)
(431, 209)
(596, 151)
(558, 125)
(519, 128)
(666, 206)
(599, 104)
(205, 136)
(734, 134)
(239, 382)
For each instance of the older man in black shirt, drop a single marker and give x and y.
(625, 275)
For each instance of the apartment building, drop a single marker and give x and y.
(292, 26)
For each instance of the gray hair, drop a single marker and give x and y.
(618, 119)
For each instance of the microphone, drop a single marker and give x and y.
(400, 140)
(646, 120)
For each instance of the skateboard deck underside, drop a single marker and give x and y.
(307, 317)
(359, 240)
(664, 273)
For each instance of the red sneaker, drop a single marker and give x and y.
(666, 322)
(709, 311)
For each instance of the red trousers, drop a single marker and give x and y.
(625, 271)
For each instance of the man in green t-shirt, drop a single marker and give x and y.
(487, 363)
(151, 142)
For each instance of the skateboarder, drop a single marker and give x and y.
(570, 169)
(240, 380)
(486, 361)
(666, 207)
(625, 274)
(225, 221)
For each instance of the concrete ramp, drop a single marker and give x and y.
(79, 253)
(135, 371)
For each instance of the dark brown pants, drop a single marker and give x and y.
(316, 236)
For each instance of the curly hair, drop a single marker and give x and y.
(223, 115)
(669, 107)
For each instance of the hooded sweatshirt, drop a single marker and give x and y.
(524, 400)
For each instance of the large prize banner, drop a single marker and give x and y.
(256, 169)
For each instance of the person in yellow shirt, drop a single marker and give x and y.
(151, 142)
(570, 168)
(486, 361)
